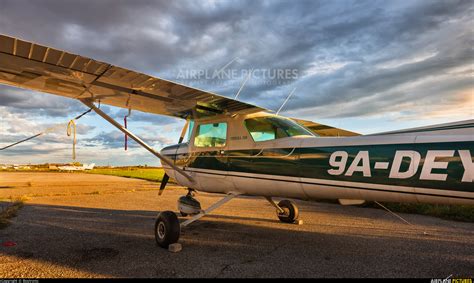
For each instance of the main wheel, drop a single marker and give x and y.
(167, 229)
(291, 211)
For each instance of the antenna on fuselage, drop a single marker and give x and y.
(286, 100)
(243, 84)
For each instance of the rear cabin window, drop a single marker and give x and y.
(270, 128)
(211, 135)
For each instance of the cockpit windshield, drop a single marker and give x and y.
(273, 127)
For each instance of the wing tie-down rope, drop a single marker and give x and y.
(125, 126)
(126, 137)
(71, 122)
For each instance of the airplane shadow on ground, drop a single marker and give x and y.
(120, 243)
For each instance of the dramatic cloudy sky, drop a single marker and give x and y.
(367, 66)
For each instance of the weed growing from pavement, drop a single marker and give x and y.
(10, 211)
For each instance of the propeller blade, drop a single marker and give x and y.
(163, 183)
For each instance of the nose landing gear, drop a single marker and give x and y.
(188, 205)
(167, 226)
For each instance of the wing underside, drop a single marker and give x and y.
(36, 67)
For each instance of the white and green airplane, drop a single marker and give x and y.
(235, 148)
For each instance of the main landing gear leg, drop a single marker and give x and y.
(168, 228)
(287, 211)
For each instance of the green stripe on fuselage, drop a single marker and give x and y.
(313, 162)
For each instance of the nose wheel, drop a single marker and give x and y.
(167, 229)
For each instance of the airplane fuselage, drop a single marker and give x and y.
(421, 166)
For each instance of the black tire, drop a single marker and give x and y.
(291, 211)
(167, 229)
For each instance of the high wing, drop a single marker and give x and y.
(32, 66)
(325, 130)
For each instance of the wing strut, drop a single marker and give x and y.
(165, 160)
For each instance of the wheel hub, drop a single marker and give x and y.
(286, 212)
(161, 230)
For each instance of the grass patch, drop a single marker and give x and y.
(150, 174)
(463, 213)
(9, 212)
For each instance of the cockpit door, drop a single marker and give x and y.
(209, 156)
(269, 165)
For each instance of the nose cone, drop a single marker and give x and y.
(171, 150)
(168, 150)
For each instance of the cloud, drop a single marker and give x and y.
(28, 102)
(116, 139)
(353, 58)
(168, 36)
(137, 116)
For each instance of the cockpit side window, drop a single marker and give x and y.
(270, 128)
(211, 135)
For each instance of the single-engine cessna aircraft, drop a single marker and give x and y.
(235, 148)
